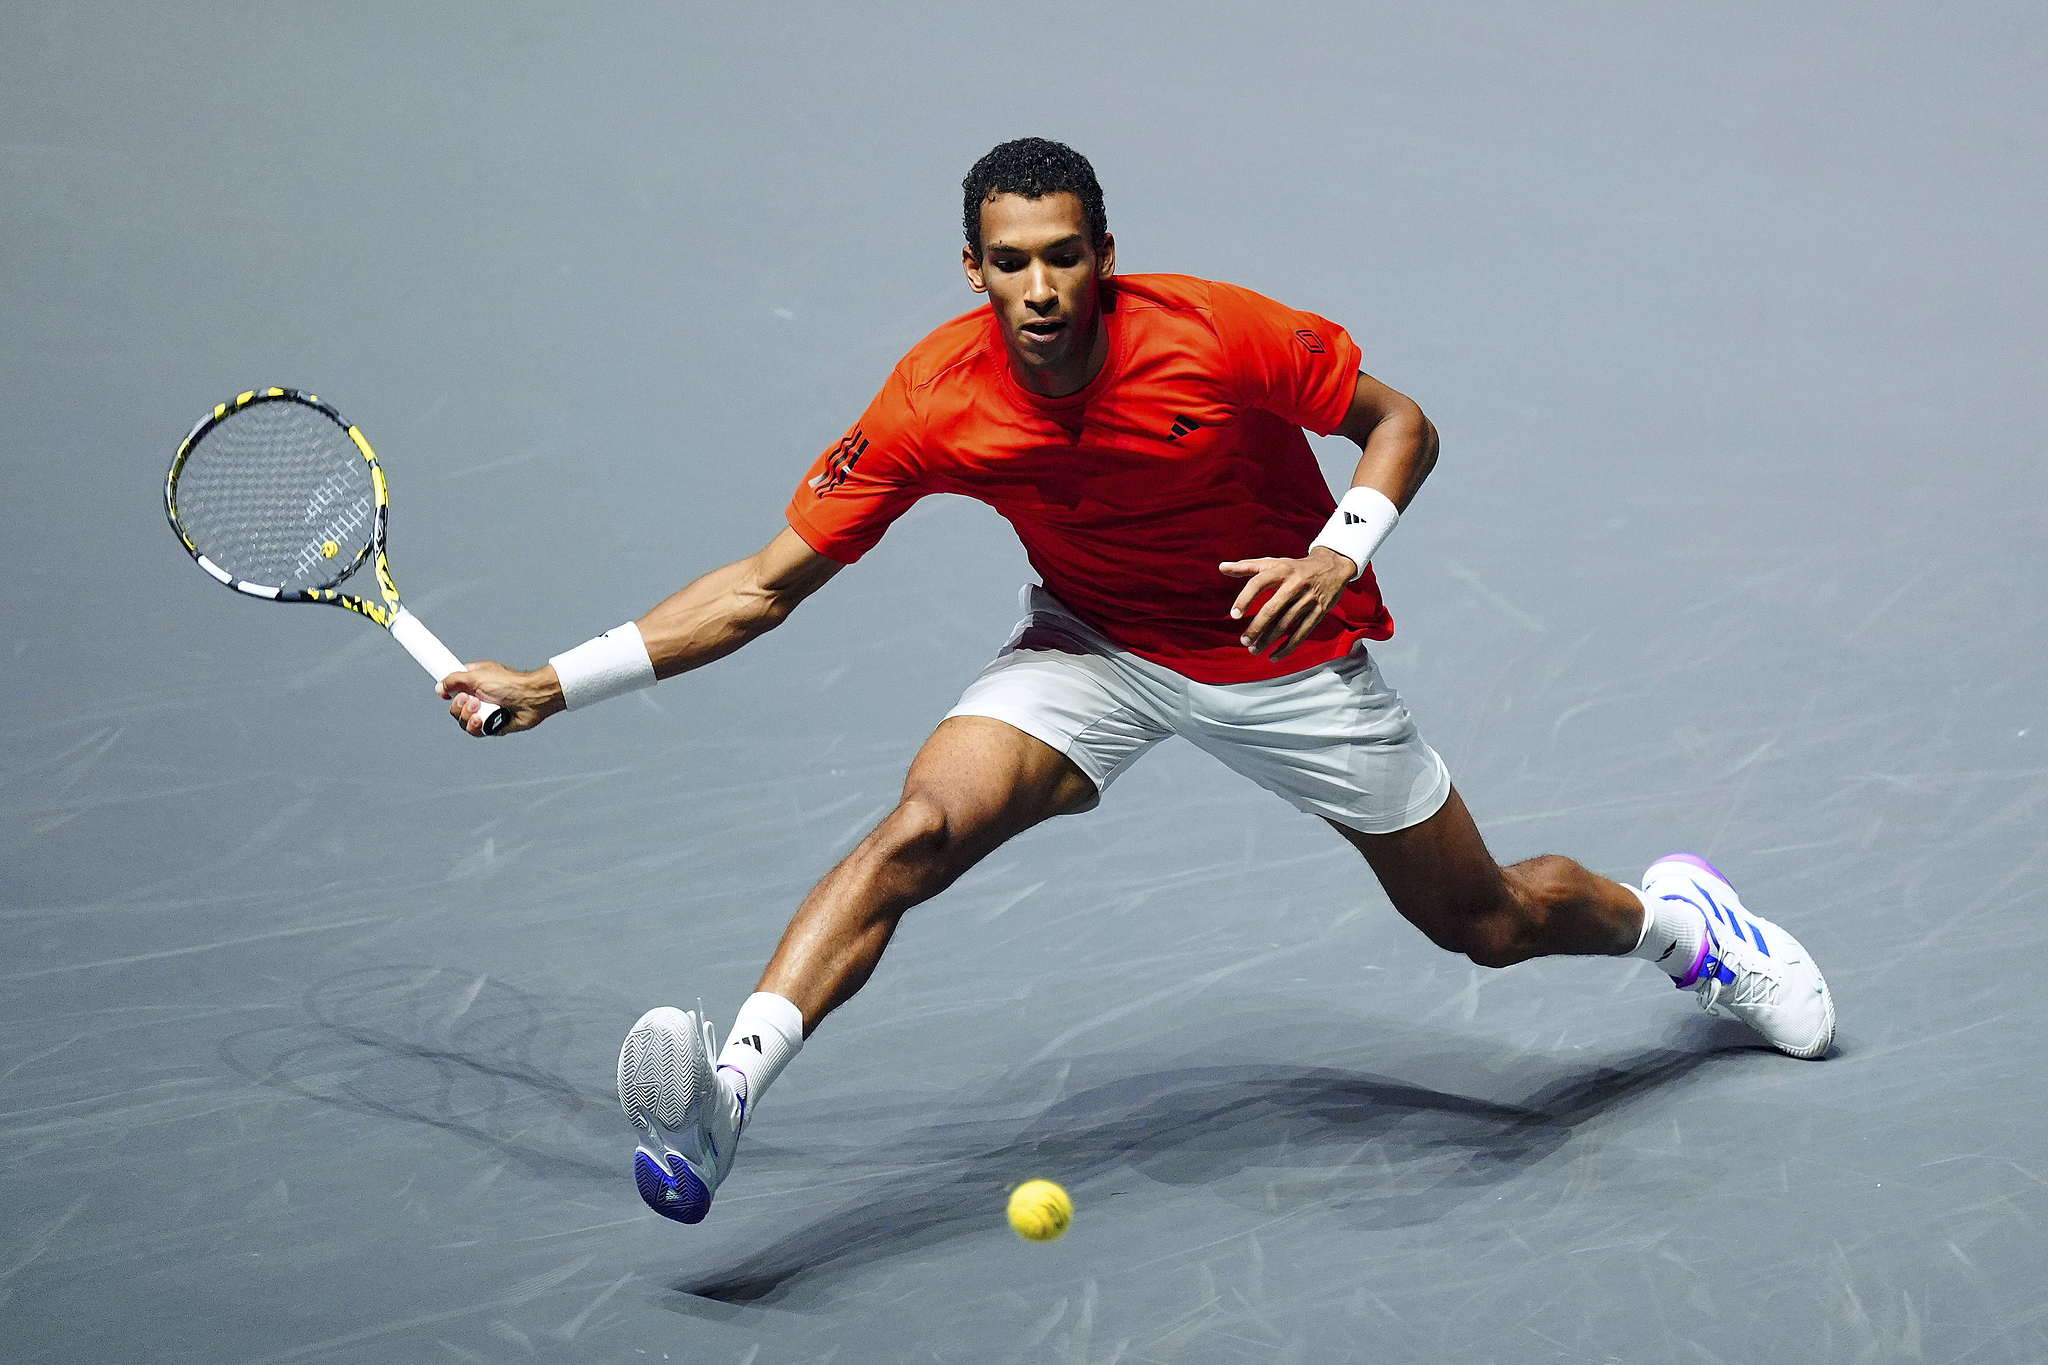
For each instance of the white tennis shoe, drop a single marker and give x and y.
(688, 1115)
(1748, 968)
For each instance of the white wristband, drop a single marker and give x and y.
(1360, 525)
(615, 663)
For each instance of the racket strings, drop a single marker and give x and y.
(278, 494)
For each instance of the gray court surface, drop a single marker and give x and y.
(1732, 320)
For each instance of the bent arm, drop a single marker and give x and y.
(1397, 449)
(707, 620)
(1397, 443)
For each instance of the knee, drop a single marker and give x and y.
(924, 842)
(1495, 944)
(1511, 929)
(915, 831)
(1505, 927)
(1481, 928)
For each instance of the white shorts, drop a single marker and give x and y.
(1334, 740)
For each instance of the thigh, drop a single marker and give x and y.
(1438, 873)
(1054, 683)
(987, 781)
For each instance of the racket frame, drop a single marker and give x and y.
(389, 613)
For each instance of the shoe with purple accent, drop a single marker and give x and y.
(1748, 968)
(688, 1115)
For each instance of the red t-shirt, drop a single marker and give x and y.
(1184, 452)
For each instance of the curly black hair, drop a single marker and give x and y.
(1033, 167)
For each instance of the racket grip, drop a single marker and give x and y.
(428, 651)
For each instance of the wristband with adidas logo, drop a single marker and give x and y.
(1360, 525)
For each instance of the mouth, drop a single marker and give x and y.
(1042, 329)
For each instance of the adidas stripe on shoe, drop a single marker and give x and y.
(1748, 968)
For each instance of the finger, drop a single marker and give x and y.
(1301, 598)
(1311, 615)
(1239, 568)
(1255, 633)
(1303, 627)
(1284, 596)
(1283, 621)
(1250, 592)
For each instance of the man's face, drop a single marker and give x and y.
(1042, 273)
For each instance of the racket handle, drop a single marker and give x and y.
(428, 651)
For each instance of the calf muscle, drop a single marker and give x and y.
(1441, 878)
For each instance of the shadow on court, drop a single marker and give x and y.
(486, 1062)
(456, 1051)
(1366, 1151)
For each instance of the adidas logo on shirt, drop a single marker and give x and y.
(1182, 425)
(839, 465)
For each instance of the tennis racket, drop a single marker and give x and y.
(277, 496)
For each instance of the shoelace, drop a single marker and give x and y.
(704, 1141)
(710, 1034)
(1757, 979)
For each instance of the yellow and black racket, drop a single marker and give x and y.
(277, 496)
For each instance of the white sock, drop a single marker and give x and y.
(766, 1033)
(1673, 932)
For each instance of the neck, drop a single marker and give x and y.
(1071, 375)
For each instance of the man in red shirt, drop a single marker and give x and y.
(1143, 434)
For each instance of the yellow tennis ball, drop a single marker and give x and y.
(1040, 1210)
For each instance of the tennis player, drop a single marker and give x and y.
(1143, 434)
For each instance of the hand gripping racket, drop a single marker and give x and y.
(277, 496)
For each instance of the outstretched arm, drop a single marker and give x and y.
(707, 620)
(1397, 449)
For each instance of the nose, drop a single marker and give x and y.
(1039, 294)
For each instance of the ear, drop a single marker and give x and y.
(1105, 264)
(972, 266)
